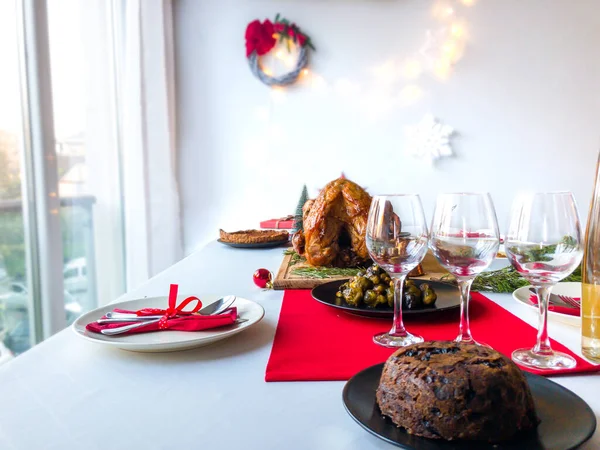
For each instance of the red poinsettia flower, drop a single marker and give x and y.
(301, 39)
(259, 37)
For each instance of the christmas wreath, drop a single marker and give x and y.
(262, 37)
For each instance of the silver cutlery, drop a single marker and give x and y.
(127, 319)
(569, 300)
(133, 326)
(126, 328)
(558, 300)
(214, 308)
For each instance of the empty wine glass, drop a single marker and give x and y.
(396, 238)
(544, 245)
(465, 240)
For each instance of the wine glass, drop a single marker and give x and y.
(465, 240)
(396, 239)
(544, 245)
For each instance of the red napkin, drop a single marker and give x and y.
(315, 342)
(559, 309)
(187, 323)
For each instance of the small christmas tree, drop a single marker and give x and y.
(298, 216)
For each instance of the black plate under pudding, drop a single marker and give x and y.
(256, 245)
(448, 297)
(566, 420)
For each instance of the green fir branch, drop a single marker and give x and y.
(505, 280)
(295, 259)
(325, 272)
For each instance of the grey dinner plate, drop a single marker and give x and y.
(566, 420)
(257, 245)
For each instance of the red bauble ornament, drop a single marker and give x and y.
(262, 278)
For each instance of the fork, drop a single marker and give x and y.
(569, 300)
(558, 300)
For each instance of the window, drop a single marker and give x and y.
(81, 240)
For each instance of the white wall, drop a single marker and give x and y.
(524, 100)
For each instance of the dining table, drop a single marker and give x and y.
(69, 393)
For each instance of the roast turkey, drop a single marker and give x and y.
(334, 226)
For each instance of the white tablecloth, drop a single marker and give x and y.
(68, 393)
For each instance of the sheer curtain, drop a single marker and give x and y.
(151, 197)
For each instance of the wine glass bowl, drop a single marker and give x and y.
(465, 254)
(396, 238)
(544, 245)
(465, 240)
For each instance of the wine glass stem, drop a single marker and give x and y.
(464, 330)
(398, 326)
(542, 346)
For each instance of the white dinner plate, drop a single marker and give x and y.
(167, 341)
(571, 289)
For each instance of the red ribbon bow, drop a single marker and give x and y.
(173, 309)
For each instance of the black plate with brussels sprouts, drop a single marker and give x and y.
(370, 294)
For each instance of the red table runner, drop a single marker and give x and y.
(315, 342)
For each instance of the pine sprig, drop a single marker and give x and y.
(325, 272)
(296, 258)
(298, 216)
(505, 280)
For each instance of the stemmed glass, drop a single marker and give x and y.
(544, 245)
(465, 240)
(396, 238)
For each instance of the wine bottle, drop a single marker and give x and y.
(590, 300)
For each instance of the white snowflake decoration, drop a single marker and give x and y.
(429, 139)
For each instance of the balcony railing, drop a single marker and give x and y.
(79, 267)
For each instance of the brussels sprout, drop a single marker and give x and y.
(365, 283)
(347, 293)
(381, 300)
(429, 297)
(411, 301)
(409, 283)
(355, 298)
(379, 288)
(374, 279)
(414, 290)
(339, 294)
(424, 287)
(370, 298)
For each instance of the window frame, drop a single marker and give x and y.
(41, 203)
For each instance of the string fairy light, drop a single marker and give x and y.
(411, 69)
(277, 93)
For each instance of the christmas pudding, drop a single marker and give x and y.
(334, 226)
(444, 390)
